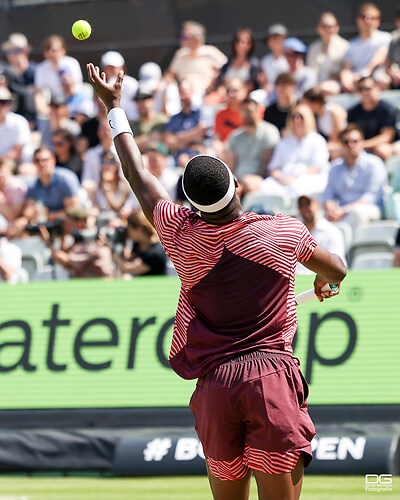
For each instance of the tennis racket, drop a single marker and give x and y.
(309, 295)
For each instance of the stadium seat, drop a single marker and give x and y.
(374, 237)
(374, 260)
(32, 262)
(49, 273)
(33, 244)
(266, 204)
(347, 233)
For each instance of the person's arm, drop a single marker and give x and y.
(148, 190)
(385, 136)
(378, 59)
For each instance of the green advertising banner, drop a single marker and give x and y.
(95, 343)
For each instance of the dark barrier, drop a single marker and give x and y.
(163, 454)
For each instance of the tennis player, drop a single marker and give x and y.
(236, 317)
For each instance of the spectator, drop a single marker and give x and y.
(79, 103)
(59, 118)
(15, 134)
(286, 98)
(184, 127)
(194, 61)
(85, 257)
(157, 163)
(331, 119)
(147, 256)
(10, 256)
(242, 63)
(393, 58)
(47, 73)
(396, 251)
(295, 51)
(323, 231)
(89, 137)
(12, 191)
(250, 147)
(150, 124)
(368, 51)
(325, 55)
(274, 63)
(356, 182)
(299, 163)
(21, 75)
(64, 149)
(376, 117)
(112, 63)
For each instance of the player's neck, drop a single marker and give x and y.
(224, 217)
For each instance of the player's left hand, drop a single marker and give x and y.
(322, 289)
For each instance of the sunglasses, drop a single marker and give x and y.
(295, 116)
(4, 103)
(346, 142)
(13, 51)
(365, 89)
(369, 18)
(57, 144)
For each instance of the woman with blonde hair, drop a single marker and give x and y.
(300, 161)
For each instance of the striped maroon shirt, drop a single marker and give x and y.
(237, 279)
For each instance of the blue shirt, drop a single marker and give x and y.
(63, 184)
(365, 181)
(182, 121)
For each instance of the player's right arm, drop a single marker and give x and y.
(148, 190)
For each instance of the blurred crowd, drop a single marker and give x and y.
(280, 122)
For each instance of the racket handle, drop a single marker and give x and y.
(308, 295)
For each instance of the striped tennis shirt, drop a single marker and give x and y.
(237, 284)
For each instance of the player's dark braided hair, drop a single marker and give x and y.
(206, 179)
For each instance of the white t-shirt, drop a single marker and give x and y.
(92, 164)
(361, 50)
(47, 77)
(15, 131)
(11, 255)
(273, 66)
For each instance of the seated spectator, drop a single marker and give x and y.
(331, 119)
(89, 137)
(393, 58)
(15, 134)
(368, 51)
(396, 251)
(12, 191)
(356, 182)
(47, 72)
(59, 118)
(299, 163)
(286, 98)
(21, 74)
(92, 163)
(325, 55)
(79, 103)
(274, 63)
(250, 147)
(54, 191)
(157, 164)
(376, 117)
(295, 51)
(112, 63)
(112, 192)
(64, 150)
(194, 61)
(10, 256)
(150, 124)
(393, 202)
(323, 231)
(242, 63)
(194, 149)
(85, 257)
(184, 127)
(146, 257)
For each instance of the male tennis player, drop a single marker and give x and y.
(236, 317)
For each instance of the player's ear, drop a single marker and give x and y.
(236, 182)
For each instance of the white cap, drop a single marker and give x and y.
(149, 76)
(3, 224)
(112, 58)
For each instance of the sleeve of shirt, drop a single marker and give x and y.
(294, 238)
(320, 153)
(278, 156)
(377, 179)
(389, 116)
(306, 245)
(168, 219)
(329, 193)
(70, 184)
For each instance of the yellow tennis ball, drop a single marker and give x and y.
(81, 29)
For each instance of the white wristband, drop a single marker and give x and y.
(118, 122)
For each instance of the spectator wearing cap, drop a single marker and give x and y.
(368, 51)
(323, 231)
(393, 58)
(157, 164)
(12, 191)
(285, 99)
(150, 124)
(195, 61)
(165, 95)
(274, 63)
(112, 63)
(325, 55)
(47, 72)
(21, 75)
(15, 133)
(10, 256)
(186, 126)
(295, 51)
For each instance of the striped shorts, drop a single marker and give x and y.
(251, 413)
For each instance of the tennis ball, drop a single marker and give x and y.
(81, 29)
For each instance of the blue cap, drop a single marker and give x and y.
(293, 43)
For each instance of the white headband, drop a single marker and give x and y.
(224, 201)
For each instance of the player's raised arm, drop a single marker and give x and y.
(148, 190)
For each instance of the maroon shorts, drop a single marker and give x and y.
(251, 413)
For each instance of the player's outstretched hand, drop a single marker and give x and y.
(322, 289)
(109, 94)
